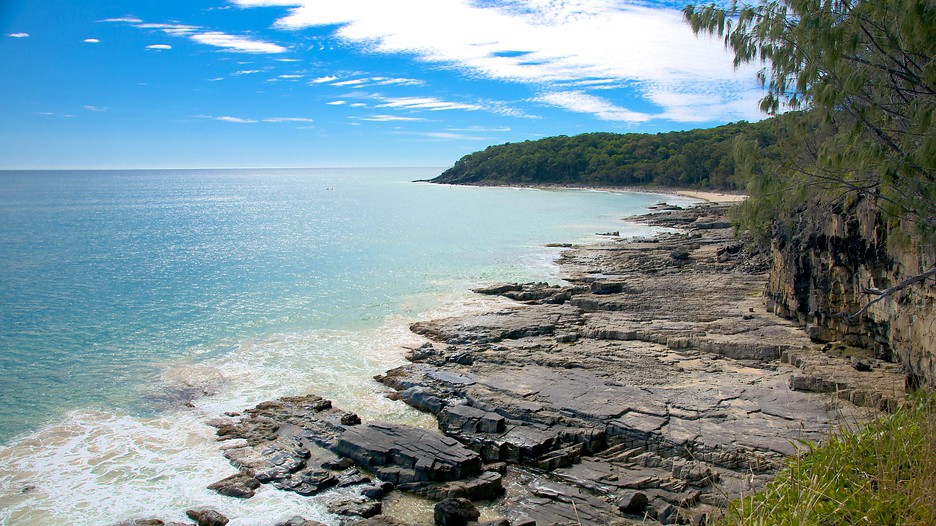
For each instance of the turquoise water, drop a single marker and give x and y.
(126, 294)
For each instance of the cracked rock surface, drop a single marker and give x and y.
(654, 386)
(650, 388)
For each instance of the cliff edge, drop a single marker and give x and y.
(824, 262)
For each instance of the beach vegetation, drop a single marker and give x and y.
(879, 473)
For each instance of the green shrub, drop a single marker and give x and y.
(881, 473)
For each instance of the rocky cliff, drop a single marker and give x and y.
(825, 260)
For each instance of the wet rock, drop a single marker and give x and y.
(377, 491)
(352, 477)
(402, 454)
(422, 353)
(455, 512)
(299, 521)
(350, 419)
(632, 502)
(147, 522)
(356, 506)
(240, 485)
(485, 486)
(207, 517)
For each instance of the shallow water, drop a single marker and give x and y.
(138, 305)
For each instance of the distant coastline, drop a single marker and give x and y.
(707, 195)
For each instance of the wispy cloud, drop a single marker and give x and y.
(563, 50)
(91, 41)
(288, 119)
(230, 43)
(389, 118)
(176, 30)
(580, 102)
(452, 136)
(237, 43)
(242, 120)
(488, 129)
(226, 118)
(337, 102)
(125, 20)
(371, 81)
(19, 35)
(96, 109)
(425, 103)
(159, 46)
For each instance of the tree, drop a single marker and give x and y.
(863, 72)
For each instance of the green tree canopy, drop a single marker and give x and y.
(697, 158)
(864, 73)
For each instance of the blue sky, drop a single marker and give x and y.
(315, 83)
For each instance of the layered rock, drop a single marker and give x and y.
(652, 386)
(821, 267)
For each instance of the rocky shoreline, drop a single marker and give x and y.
(652, 388)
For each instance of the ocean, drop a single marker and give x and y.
(137, 305)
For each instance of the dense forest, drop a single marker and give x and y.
(703, 158)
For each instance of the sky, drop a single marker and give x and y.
(102, 84)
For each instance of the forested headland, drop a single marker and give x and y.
(702, 158)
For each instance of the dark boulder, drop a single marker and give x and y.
(207, 517)
(455, 512)
(240, 485)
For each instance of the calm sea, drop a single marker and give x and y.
(136, 305)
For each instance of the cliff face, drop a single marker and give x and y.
(823, 262)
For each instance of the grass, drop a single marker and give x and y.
(881, 473)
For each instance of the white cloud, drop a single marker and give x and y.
(265, 3)
(562, 49)
(497, 129)
(453, 136)
(323, 80)
(18, 35)
(231, 43)
(389, 118)
(425, 103)
(96, 109)
(372, 81)
(581, 102)
(344, 83)
(336, 103)
(246, 72)
(176, 30)
(384, 81)
(236, 43)
(288, 119)
(91, 41)
(291, 76)
(159, 46)
(226, 118)
(125, 20)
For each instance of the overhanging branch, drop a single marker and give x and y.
(890, 291)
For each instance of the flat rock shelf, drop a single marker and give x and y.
(652, 388)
